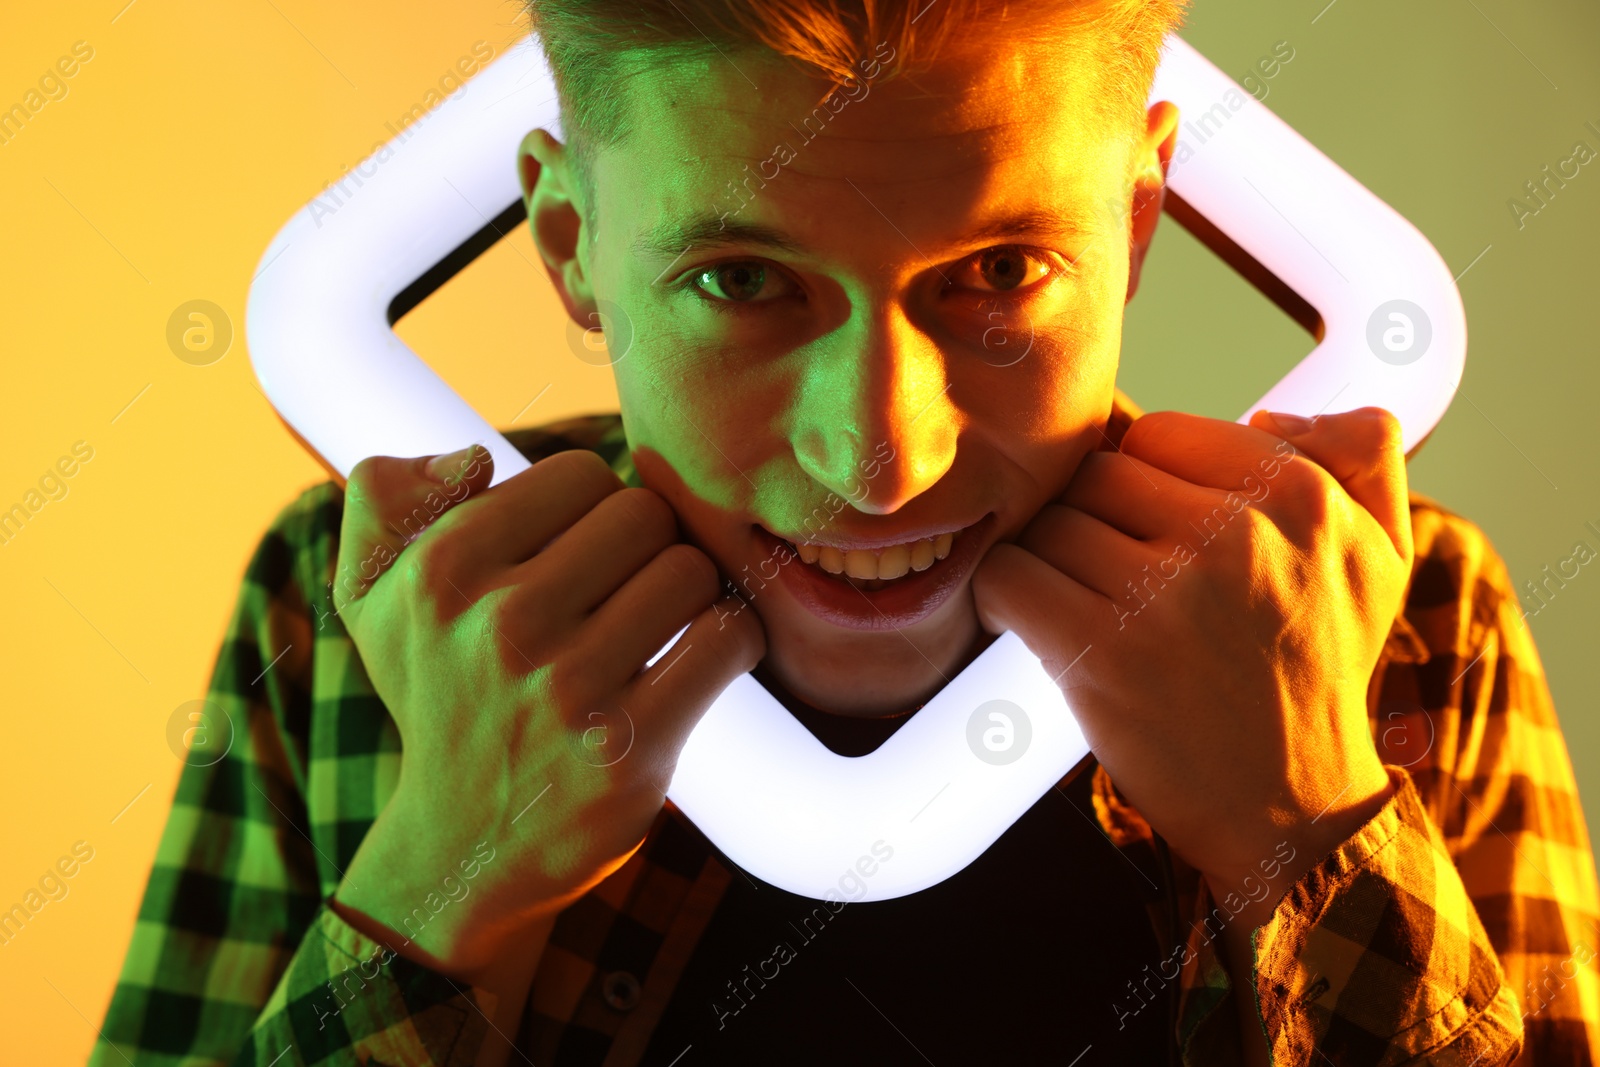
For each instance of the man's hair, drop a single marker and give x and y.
(594, 47)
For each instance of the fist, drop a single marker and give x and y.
(506, 630)
(1214, 598)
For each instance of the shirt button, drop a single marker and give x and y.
(621, 990)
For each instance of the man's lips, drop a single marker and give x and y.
(845, 542)
(896, 602)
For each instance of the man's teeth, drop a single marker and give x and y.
(892, 562)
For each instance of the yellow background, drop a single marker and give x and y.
(197, 129)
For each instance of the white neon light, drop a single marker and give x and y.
(756, 782)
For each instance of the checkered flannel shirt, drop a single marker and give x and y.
(1459, 926)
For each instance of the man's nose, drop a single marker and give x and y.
(875, 420)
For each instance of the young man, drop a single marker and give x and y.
(864, 297)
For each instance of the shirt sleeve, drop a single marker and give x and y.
(1499, 785)
(1459, 925)
(235, 956)
(345, 998)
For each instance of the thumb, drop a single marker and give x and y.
(389, 502)
(1363, 451)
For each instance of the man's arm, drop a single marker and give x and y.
(235, 955)
(1464, 915)
(1500, 787)
(1375, 955)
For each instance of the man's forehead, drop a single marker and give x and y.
(734, 153)
(969, 102)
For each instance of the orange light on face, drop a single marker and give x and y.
(986, 748)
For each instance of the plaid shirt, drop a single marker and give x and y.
(1459, 926)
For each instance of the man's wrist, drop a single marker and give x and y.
(453, 909)
(392, 893)
(1251, 897)
(1297, 847)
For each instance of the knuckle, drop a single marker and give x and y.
(1313, 498)
(436, 553)
(369, 479)
(690, 568)
(1301, 477)
(451, 522)
(572, 685)
(516, 625)
(411, 518)
(428, 568)
(586, 470)
(1381, 426)
(1260, 532)
(1329, 499)
(1214, 521)
(1153, 428)
(646, 512)
(1258, 540)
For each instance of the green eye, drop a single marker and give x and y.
(741, 282)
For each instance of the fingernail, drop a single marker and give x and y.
(1293, 425)
(444, 468)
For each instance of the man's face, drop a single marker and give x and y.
(893, 316)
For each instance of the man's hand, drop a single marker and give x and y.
(507, 639)
(1221, 595)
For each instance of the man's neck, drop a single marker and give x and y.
(850, 735)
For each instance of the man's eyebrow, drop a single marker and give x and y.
(670, 240)
(1041, 222)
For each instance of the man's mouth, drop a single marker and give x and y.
(868, 584)
(871, 569)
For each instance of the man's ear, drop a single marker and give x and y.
(1154, 153)
(545, 170)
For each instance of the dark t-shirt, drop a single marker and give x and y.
(1033, 954)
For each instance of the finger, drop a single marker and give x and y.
(1363, 451)
(517, 518)
(1086, 549)
(1206, 452)
(1136, 498)
(643, 615)
(1053, 614)
(390, 502)
(722, 642)
(592, 558)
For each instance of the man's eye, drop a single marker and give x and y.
(1003, 269)
(743, 282)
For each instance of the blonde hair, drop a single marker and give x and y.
(595, 47)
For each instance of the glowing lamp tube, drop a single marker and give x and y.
(756, 782)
